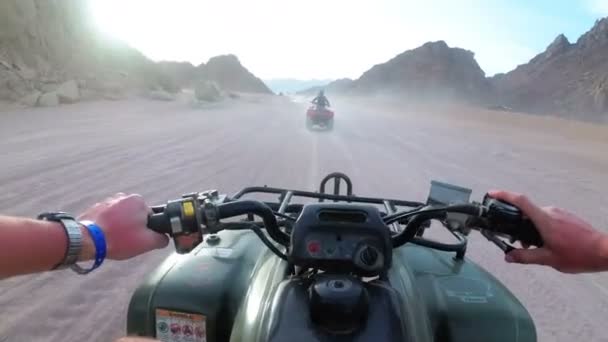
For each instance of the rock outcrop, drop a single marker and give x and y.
(338, 87)
(50, 50)
(566, 79)
(432, 71)
(180, 73)
(68, 92)
(207, 91)
(228, 73)
(51, 47)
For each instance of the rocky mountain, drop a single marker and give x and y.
(292, 85)
(227, 72)
(431, 71)
(568, 79)
(180, 73)
(51, 53)
(339, 86)
(47, 47)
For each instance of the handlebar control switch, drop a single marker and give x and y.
(188, 218)
(185, 223)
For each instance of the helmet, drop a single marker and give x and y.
(321, 92)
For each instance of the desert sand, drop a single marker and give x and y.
(69, 157)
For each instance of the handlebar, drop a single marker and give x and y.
(161, 222)
(492, 216)
(260, 209)
(200, 215)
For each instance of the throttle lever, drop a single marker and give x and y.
(505, 247)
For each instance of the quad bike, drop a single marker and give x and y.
(321, 117)
(353, 269)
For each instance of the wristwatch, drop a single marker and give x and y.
(73, 233)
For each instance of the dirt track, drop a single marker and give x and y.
(71, 156)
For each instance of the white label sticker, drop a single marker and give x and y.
(218, 252)
(174, 326)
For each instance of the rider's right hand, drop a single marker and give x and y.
(123, 220)
(571, 245)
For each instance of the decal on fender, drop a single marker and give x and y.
(176, 326)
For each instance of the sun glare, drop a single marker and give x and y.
(270, 37)
(306, 39)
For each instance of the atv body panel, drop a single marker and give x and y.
(244, 293)
(319, 114)
(322, 117)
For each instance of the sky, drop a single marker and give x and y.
(341, 38)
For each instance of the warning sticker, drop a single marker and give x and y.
(174, 326)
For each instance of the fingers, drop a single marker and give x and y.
(118, 195)
(538, 256)
(534, 212)
(160, 240)
(133, 202)
(155, 240)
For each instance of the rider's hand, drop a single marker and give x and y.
(123, 221)
(571, 245)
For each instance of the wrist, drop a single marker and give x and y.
(88, 246)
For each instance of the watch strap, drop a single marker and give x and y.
(73, 235)
(72, 229)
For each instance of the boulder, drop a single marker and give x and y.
(68, 92)
(160, 95)
(49, 99)
(207, 91)
(30, 100)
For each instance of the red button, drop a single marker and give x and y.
(314, 247)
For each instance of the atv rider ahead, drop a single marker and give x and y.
(321, 101)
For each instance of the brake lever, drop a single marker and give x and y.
(505, 247)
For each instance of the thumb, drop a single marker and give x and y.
(537, 256)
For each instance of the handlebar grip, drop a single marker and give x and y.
(159, 223)
(506, 218)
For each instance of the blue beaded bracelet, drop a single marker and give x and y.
(100, 246)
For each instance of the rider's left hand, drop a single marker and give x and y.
(123, 220)
(571, 245)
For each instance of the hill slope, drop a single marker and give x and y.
(229, 74)
(566, 79)
(49, 51)
(431, 71)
